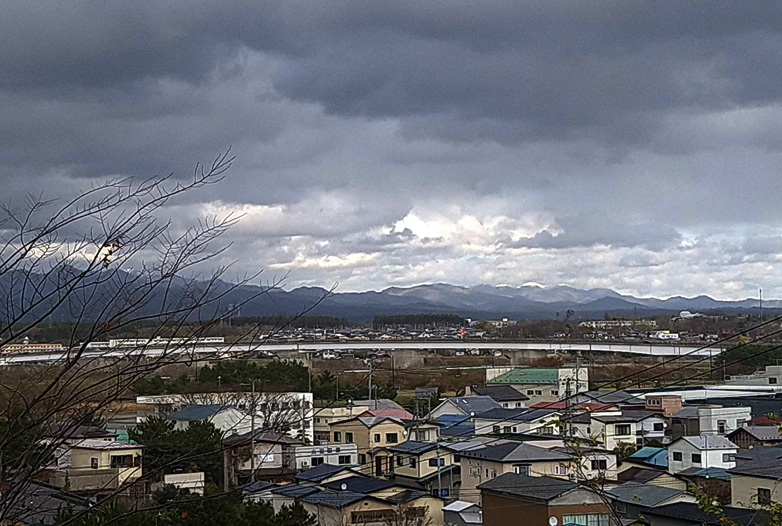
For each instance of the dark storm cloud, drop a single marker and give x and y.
(402, 142)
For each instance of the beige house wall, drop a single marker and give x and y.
(744, 490)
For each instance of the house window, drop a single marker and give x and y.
(599, 463)
(622, 429)
(696, 458)
(391, 438)
(495, 429)
(337, 436)
(121, 461)
(721, 427)
(538, 392)
(377, 437)
(94, 463)
(344, 459)
(530, 392)
(559, 469)
(399, 460)
(348, 437)
(362, 458)
(658, 426)
(506, 429)
(677, 456)
(457, 459)
(423, 435)
(728, 457)
(521, 469)
(411, 462)
(433, 462)
(316, 461)
(764, 496)
(554, 392)
(587, 519)
(772, 380)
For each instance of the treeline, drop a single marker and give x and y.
(432, 320)
(298, 322)
(172, 507)
(271, 376)
(751, 356)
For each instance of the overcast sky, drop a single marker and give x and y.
(630, 144)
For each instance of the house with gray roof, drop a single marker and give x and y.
(483, 464)
(463, 407)
(632, 499)
(756, 484)
(505, 395)
(513, 498)
(747, 437)
(704, 451)
(228, 420)
(506, 421)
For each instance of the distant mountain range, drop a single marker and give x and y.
(529, 301)
(488, 301)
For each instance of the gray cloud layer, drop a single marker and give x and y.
(617, 143)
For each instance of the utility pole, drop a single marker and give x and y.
(309, 375)
(760, 295)
(439, 480)
(369, 362)
(336, 396)
(252, 437)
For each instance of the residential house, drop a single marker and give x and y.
(324, 473)
(633, 499)
(270, 459)
(511, 498)
(666, 404)
(708, 420)
(755, 484)
(97, 465)
(509, 421)
(426, 465)
(462, 513)
(40, 503)
(705, 451)
(613, 428)
(541, 383)
(481, 465)
(650, 456)
(747, 437)
(460, 408)
(290, 412)
(337, 508)
(304, 456)
(657, 477)
(505, 395)
(227, 420)
(692, 514)
(372, 435)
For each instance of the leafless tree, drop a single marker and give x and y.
(107, 262)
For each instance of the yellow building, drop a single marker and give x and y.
(372, 435)
(97, 465)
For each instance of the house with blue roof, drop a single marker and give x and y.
(651, 456)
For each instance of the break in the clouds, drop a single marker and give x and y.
(619, 144)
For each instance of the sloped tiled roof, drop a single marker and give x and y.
(295, 491)
(625, 416)
(359, 484)
(321, 472)
(515, 452)
(474, 404)
(332, 499)
(500, 393)
(643, 494)
(759, 468)
(762, 433)
(529, 375)
(517, 415)
(413, 447)
(710, 442)
(536, 488)
(197, 412)
(693, 514)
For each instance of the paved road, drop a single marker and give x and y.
(644, 349)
